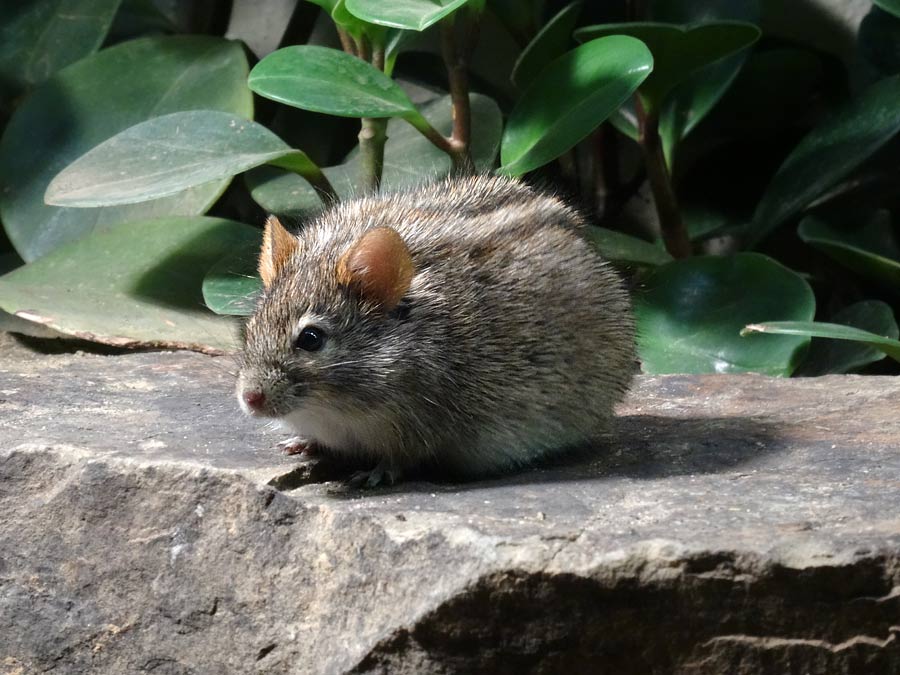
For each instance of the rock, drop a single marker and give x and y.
(735, 524)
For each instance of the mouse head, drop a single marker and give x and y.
(328, 328)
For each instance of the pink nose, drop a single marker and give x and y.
(254, 399)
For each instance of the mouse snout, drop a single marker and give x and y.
(253, 401)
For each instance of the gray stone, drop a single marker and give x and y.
(733, 524)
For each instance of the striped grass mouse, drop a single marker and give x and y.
(466, 324)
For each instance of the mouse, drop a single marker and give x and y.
(467, 325)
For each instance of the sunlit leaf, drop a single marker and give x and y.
(570, 98)
(137, 285)
(677, 50)
(408, 14)
(232, 285)
(167, 154)
(833, 331)
(690, 314)
(844, 356)
(93, 100)
(625, 248)
(329, 81)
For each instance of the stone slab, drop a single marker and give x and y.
(736, 524)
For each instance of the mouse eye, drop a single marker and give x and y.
(311, 339)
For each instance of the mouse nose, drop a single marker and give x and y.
(254, 399)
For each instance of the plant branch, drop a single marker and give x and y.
(456, 62)
(674, 232)
(372, 137)
(346, 41)
(373, 131)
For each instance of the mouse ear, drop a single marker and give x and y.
(378, 266)
(277, 246)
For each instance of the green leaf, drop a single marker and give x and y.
(94, 99)
(355, 26)
(167, 154)
(232, 285)
(137, 285)
(327, 5)
(292, 196)
(870, 250)
(891, 6)
(843, 356)
(879, 40)
(693, 99)
(828, 154)
(409, 159)
(408, 14)
(328, 81)
(827, 330)
(39, 37)
(690, 314)
(677, 50)
(570, 98)
(625, 248)
(549, 44)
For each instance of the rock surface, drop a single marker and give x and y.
(736, 524)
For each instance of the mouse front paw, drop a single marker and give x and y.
(297, 445)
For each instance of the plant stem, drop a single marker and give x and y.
(372, 137)
(456, 62)
(674, 232)
(373, 131)
(437, 139)
(346, 41)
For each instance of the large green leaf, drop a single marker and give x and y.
(828, 154)
(94, 99)
(622, 247)
(409, 159)
(39, 37)
(692, 100)
(892, 6)
(844, 356)
(232, 285)
(869, 250)
(550, 43)
(833, 331)
(409, 14)
(165, 155)
(677, 50)
(328, 81)
(135, 285)
(570, 98)
(690, 314)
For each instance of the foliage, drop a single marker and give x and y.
(771, 167)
